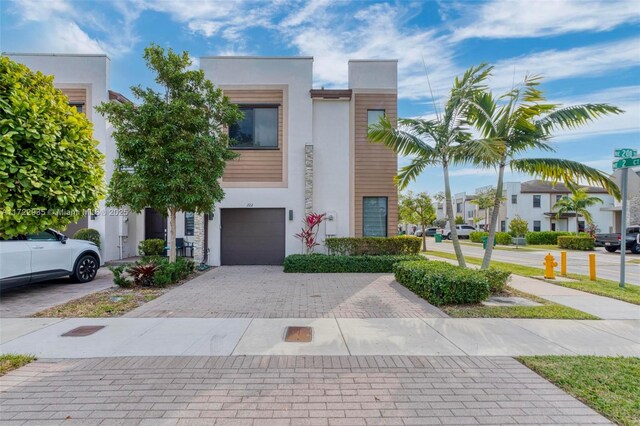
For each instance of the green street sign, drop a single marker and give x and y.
(624, 153)
(626, 162)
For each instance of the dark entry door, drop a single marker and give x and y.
(155, 224)
(252, 236)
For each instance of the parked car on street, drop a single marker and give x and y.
(429, 232)
(612, 242)
(463, 231)
(46, 255)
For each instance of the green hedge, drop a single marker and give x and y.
(373, 246)
(330, 263)
(476, 236)
(545, 237)
(441, 283)
(576, 243)
(497, 279)
(151, 247)
(503, 238)
(88, 234)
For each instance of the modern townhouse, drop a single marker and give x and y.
(301, 150)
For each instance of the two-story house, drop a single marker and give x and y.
(301, 150)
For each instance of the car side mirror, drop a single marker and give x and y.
(63, 239)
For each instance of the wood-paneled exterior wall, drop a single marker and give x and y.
(375, 166)
(77, 96)
(260, 165)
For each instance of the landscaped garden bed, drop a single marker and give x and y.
(10, 362)
(609, 385)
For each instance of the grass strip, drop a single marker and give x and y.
(609, 385)
(10, 362)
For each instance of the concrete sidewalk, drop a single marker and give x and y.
(600, 306)
(331, 336)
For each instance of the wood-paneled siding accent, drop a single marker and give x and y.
(375, 165)
(77, 96)
(257, 165)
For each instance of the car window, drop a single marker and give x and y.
(633, 230)
(467, 227)
(42, 236)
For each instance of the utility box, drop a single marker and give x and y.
(331, 224)
(123, 226)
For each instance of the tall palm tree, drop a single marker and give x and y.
(435, 142)
(577, 203)
(519, 121)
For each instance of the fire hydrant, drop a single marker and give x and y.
(549, 264)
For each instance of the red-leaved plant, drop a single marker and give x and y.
(309, 233)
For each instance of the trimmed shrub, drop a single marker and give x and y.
(441, 283)
(503, 238)
(88, 234)
(373, 246)
(476, 236)
(497, 279)
(151, 247)
(168, 273)
(576, 243)
(118, 278)
(333, 263)
(545, 237)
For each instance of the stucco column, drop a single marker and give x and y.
(308, 179)
(198, 238)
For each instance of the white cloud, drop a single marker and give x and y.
(38, 10)
(527, 18)
(473, 172)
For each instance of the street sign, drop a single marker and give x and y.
(624, 163)
(624, 153)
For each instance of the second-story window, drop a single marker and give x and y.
(78, 106)
(514, 198)
(258, 129)
(536, 200)
(373, 116)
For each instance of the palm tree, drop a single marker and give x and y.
(435, 142)
(519, 121)
(577, 203)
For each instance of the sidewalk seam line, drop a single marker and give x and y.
(342, 335)
(241, 337)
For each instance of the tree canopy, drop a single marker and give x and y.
(51, 171)
(417, 208)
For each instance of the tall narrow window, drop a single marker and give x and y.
(536, 201)
(373, 116)
(514, 199)
(536, 226)
(257, 130)
(374, 217)
(189, 224)
(503, 226)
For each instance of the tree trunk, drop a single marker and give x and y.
(450, 218)
(172, 235)
(494, 219)
(424, 238)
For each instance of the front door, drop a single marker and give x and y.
(155, 225)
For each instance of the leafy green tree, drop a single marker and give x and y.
(435, 142)
(172, 146)
(520, 121)
(484, 200)
(51, 171)
(577, 203)
(417, 208)
(518, 227)
(459, 220)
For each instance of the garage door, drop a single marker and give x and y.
(252, 236)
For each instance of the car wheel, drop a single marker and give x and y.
(611, 249)
(635, 249)
(86, 269)
(449, 236)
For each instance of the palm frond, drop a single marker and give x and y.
(486, 152)
(410, 172)
(575, 116)
(403, 142)
(566, 171)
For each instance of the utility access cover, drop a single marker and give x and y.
(85, 330)
(298, 334)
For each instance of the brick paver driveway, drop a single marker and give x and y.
(285, 391)
(267, 292)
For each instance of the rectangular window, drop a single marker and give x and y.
(458, 207)
(374, 216)
(373, 116)
(581, 226)
(558, 196)
(536, 200)
(503, 226)
(77, 105)
(536, 226)
(514, 199)
(257, 130)
(188, 224)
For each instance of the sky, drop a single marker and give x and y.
(586, 51)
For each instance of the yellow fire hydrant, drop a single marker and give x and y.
(549, 264)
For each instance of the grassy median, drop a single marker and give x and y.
(10, 362)
(609, 385)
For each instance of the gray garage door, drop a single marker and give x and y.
(252, 236)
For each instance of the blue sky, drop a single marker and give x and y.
(587, 51)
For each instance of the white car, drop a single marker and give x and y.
(463, 231)
(46, 255)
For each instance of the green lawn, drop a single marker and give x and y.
(548, 310)
(602, 287)
(536, 247)
(608, 385)
(10, 362)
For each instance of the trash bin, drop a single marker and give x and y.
(484, 242)
(438, 238)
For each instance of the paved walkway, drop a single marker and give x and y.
(331, 336)
(267, 292)
(27, 300)
(285, 391)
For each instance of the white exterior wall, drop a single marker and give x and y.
(90, 72)
(331, 165)
(296, 74)
(373, 74)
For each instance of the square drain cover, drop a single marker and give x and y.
(298, 334)
(85, 330)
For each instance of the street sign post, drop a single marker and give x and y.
(626, 162)
(624, 153)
